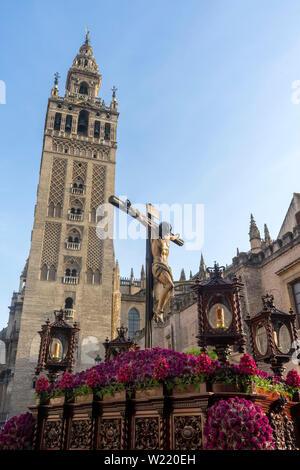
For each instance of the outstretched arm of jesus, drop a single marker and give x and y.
(175, 237)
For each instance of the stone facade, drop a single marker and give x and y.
(69, 267)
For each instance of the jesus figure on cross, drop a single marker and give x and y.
(163, 279)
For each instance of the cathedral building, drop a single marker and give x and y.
(68, 267)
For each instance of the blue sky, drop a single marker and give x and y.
(204, 91)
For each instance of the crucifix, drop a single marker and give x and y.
(159, 279)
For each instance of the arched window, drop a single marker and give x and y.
(51, 210)
(57, 121)
(44, 273)
(133, 322)
(97, 277)
(97, 129)
(68, 272)
(93, 215)
(58, 210)
(74, 273)
(89, 276)
(52, 273)
(68, 126)
(107, 131)
(83, 89)
(69, 302)
(83, 122)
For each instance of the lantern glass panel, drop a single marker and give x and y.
(219, 317)
(284, 339)
(58, 348)
(261, 339)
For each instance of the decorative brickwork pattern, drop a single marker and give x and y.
(80, 149)
(57, 184)
(51, 244)
(95, 250)
(79, 170)
(98, 186)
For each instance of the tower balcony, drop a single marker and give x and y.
(69, 313)
(73, 246)
(70, 280)
(78, 190)
(75, 217)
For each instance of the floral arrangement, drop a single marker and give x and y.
(42, 389)
(160, 369)
(17, 433)
(142, 369)
(293, 379)
(237, 424)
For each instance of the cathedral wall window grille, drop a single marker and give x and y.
(97, 129)
(68, 125)
(83, 123)
(133, 322)
(57, 121)
(107, 131)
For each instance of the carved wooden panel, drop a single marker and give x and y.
(146, 433)
(187, 432)
(283, 431)
(109, 434)
(81, 434)
(52, 435)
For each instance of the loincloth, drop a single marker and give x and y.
(158, 268)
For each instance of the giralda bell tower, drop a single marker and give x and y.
(69, 267)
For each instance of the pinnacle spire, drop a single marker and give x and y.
(143, 273)
(55, 90)
(202, 267)
(268, 240)
(254, 236)
(182, 275)
(87, 35)
(254, 232)
(114, 102)
(83, 77)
